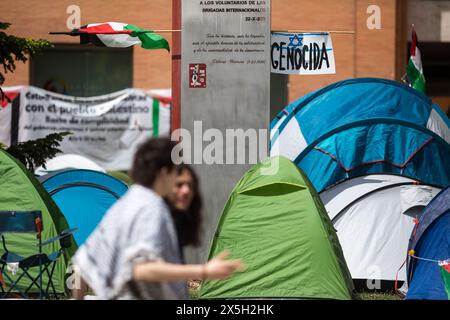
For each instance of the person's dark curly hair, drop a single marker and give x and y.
(189, 222)
(150, 157)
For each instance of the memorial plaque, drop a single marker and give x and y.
(225, 84)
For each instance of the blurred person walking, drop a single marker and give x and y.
(134, 253)
(185, 203)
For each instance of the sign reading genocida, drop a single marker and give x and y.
(302, 53)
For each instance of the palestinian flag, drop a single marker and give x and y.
(414, 69)
(118, 35)
(7, 98)
(444, 267)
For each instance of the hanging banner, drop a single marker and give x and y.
(302, 53)
(106, 129)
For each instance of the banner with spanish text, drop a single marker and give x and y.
(106, 129)
(302, 53)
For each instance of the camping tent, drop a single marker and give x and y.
(274, 221)
(68, 161)
(83, 196)
(373, 215)
(20, 191)
(361, 126)
(430, 240)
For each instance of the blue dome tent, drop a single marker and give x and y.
(362, 126)
(83, 196)
(383, 146)
(430, 241)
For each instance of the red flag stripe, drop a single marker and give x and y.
(413, 42)
(104, 28)
(446, 267)
(165, 100)
(11, 95)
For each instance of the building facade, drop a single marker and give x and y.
(360, 49)
(370, 39)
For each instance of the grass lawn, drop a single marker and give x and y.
(377, 296)
(194, 289)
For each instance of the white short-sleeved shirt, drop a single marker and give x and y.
(137, 228)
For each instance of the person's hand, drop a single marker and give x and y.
(219, 268)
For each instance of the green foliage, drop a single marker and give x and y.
(122, 176)
(14, 49)
(35, 153)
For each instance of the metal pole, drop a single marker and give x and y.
(175, 122)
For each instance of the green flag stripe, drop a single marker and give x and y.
(415, 77)
(446, 278)
(149, 40)
(155, 117)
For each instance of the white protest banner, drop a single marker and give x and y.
(105, 129)
(302, 53)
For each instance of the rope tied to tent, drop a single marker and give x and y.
(412, 254)
(396, 279)
(416, 222)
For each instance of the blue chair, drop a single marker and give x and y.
(30, 222)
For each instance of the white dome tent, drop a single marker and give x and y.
(68, 161)
(373, 215)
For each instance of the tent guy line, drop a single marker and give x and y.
(425, 259)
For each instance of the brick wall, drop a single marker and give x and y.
(152, 69)
(364, 53)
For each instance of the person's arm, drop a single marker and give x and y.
(216, 268)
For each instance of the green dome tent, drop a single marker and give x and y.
(276, 223)
(21, 191)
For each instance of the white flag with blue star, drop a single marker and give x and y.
(302, 53)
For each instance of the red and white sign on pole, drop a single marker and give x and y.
(197, 75)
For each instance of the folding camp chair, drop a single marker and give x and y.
(29, 222)
(51, 260)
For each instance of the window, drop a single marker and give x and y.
(82, 70)
(436, 67)
(278, 93)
